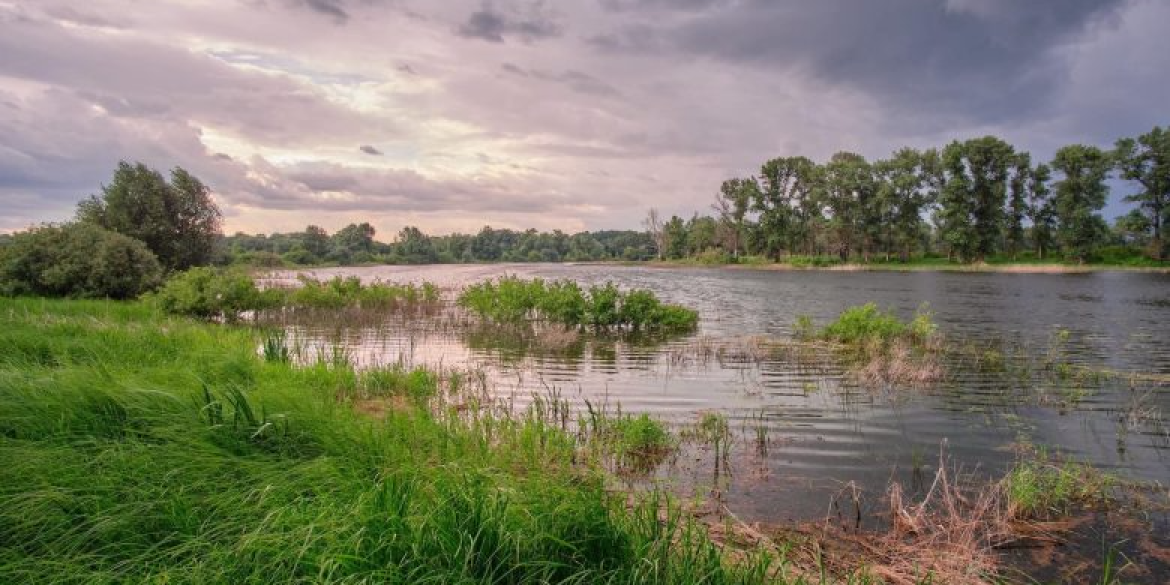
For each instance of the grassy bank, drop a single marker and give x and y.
(145, 448)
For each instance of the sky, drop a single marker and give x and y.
(551, 114)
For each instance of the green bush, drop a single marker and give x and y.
(213, 292)
(77, 260)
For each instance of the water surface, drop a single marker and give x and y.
(824, 430)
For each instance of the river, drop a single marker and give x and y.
(824, 431)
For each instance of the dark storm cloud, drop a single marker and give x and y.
(366, 148)
(494, 25)
(989, 59)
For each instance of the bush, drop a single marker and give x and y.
(212, 292)
(77, 260)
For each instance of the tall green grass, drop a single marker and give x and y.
(139, 447)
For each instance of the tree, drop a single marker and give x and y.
(1079, 194)
(414, 247)
(316, 240)
(353, 240)
(1133, 228)
(1147, 161)
(1040, 210)
(902, 185)
(1018, 203)
(77, 260)
(675, 235)
(848, 187)
(700, 234)
(974, 194)
(178, 221)
(785, 203)
(732, 203)
(656, 229)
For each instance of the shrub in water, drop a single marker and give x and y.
(212, 292)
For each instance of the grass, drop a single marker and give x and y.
(140, 447)
(513, 300)
(1040, 488)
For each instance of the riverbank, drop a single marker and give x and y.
(143, 447)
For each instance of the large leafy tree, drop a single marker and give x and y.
(786, 203)
(1041, 212)
(1017, 208)
(675, 231)
(732, 203)
(1079, 194)
(1147, 161)
(415, 247)
(902, 188)
(177, 220)
(316, 240)
(847, 189)
(974, 195)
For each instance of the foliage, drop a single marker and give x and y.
(514, 300)
(212, 293)
(1078, 196)
(1146, 161)
(76, 260)
(314, 246)
(177, 220)
(977, 200)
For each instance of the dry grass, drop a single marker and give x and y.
(901, 365)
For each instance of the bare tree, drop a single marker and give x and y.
(654, 225)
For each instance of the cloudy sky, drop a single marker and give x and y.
(570, 114)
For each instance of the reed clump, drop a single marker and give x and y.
(883, 348)
(514, 300)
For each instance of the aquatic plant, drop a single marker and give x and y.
(513, 300)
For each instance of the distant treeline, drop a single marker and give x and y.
(355, 244)
(967, 201)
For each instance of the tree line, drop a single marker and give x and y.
(970, 200)
(355, 244)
